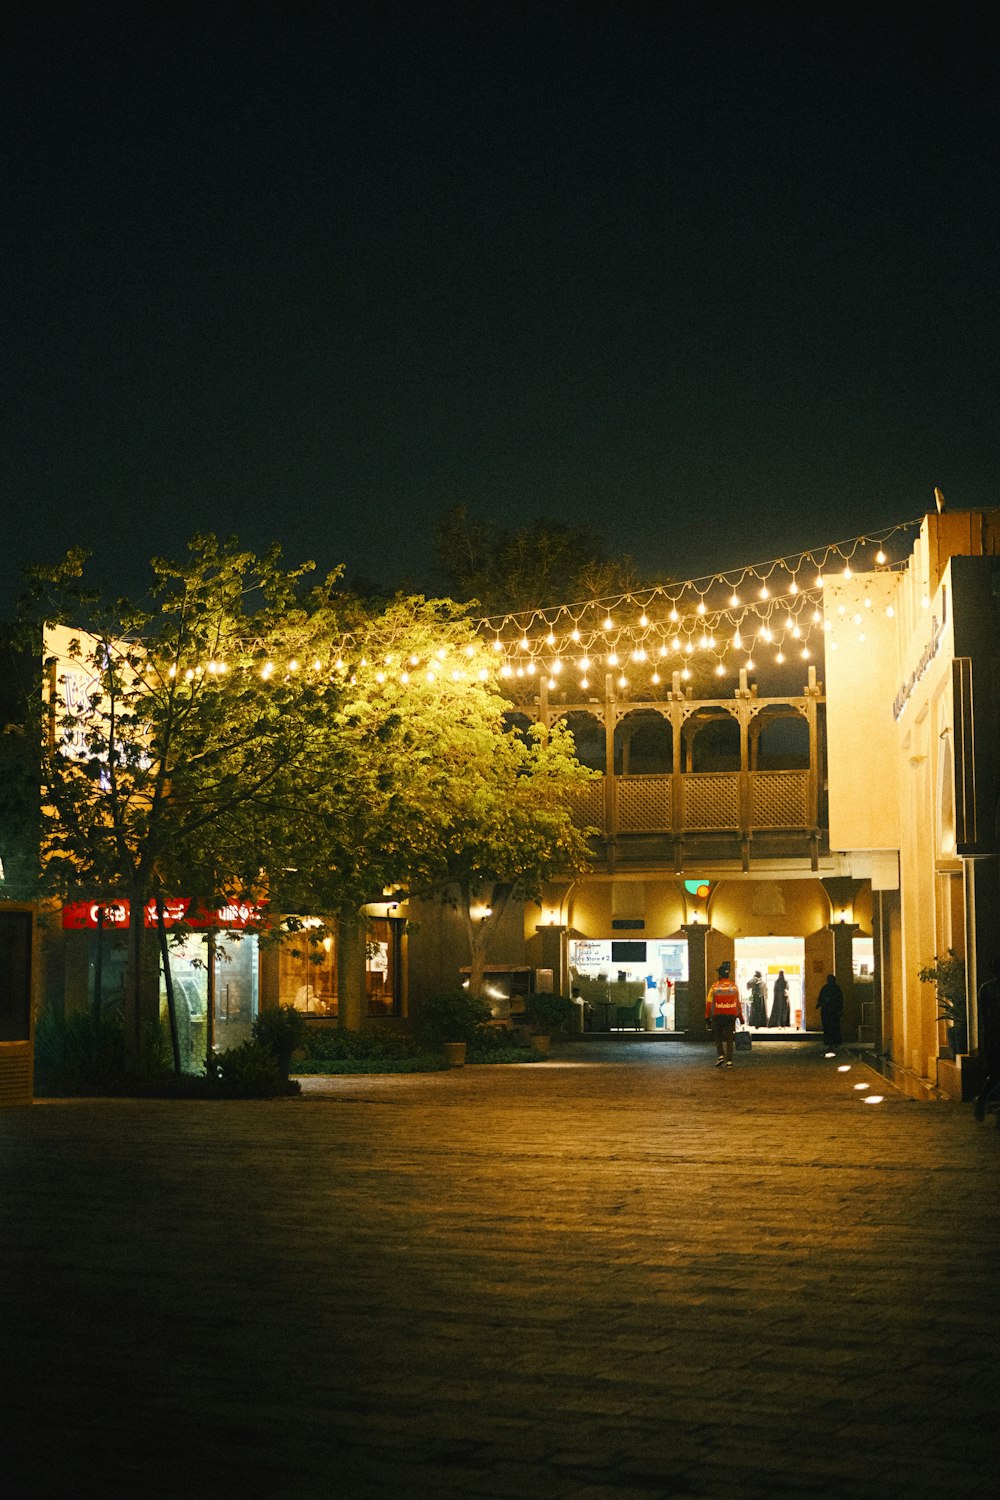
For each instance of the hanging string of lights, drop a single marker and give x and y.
(731, 620)
(723, 622)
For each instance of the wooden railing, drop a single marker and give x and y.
(737, 802)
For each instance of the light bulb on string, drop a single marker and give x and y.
(524, 643)
(806, 653)
(673, 616)
(793, 587)
(550, 639)
(574, 635)
(880, 557)
(734, 599)
(701, 607)
(780, 658)
(720, 670)
(764, 591)
(643, 620)
(623, 681)
(584, 683)
(609, 624)
(612, 658)
(655, 678)
(530, 669)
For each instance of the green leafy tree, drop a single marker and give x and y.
(508, 825)
(172, 750)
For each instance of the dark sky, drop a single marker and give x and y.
(721, 279)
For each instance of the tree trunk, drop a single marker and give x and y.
(481, 929)
(168, 982)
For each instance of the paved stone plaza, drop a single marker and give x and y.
(618, 1273)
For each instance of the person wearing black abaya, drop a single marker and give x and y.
(831, 1007)
(781, 1014)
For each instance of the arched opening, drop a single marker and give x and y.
(644, 744)
(588, 737)
(711, 741)
(779, 740)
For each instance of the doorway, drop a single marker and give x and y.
(769, 957)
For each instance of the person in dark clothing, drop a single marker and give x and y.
(989, 1040)
(758, 1000)
(781, 1014)
(831, 1007)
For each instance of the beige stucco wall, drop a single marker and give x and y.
(861, 673)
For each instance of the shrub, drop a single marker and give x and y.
(548, 1013)
(451, 1016)
(281, 1030)
(373, 1043)
(251, 1071)
(78, 1054)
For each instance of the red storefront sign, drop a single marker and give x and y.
(82, 916)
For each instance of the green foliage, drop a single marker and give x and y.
(497, 1044)
(548, 1013)
(78, 1054)
(281, 1029)
(451, 1016)
(250, 1071)
(947, 974)
(371, 1043)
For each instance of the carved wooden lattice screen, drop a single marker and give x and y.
(588, 805)
(712, 800)
(644, 804)
(779, 799)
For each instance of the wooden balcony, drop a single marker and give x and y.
(689, 811)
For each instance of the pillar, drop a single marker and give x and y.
(697, 989)
(843, 968)
(552, 950)
(352, 1002)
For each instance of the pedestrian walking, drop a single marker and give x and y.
(831, 1007)
(989, 1041)
(781, 1014)
(723, 1008)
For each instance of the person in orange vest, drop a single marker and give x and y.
(723, 1008)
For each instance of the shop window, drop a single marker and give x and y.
(382, 956)
(307, 975)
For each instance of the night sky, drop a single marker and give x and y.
(720, 279)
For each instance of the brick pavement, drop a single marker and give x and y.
(619, 1273)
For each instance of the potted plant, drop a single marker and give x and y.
(947, 975)
(547, 1015)
(282, 1030)
(450, 1020)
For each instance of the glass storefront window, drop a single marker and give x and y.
(307, 976)
(236, 994)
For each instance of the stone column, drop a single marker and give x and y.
(553, 951)
(843, 968)
(352, 1000)
(697, 940)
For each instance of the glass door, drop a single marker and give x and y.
(235, 989)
